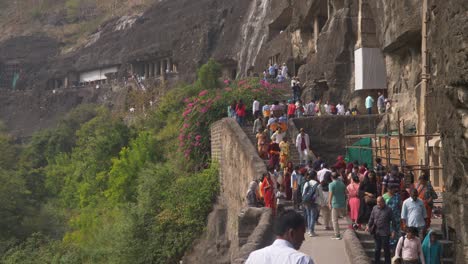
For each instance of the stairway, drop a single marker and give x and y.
(294, 155)
(367, 242)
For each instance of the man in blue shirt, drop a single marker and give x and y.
(337, 202)
(369, 103)
(414, 213)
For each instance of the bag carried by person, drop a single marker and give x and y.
(396, 259)
(309, 195)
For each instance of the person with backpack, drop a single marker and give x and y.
(409, 249)
(311, 200)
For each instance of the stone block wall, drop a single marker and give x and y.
(239, 165)
(327, 133)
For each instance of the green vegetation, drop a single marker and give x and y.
(94, 190)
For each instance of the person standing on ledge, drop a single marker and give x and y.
(302, 145)
(369, 104)
(381, 103)
(289, 231)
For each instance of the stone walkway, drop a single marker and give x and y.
(323, 249)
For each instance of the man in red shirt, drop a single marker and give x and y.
(291, 109)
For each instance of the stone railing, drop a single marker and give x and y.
(239, 164)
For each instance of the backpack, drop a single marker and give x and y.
(310, 194)
(301, 183)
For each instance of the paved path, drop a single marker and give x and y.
(323, 249)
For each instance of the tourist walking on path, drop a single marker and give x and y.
(432, 249)
(302, 145)
(426, 194)
(379, 226)
(368, 193)
(278, 136)
(291, 109)
(321, 173)
(284, 153)
(310, 108)
(325, 211)
(274, 154)
(258, 125)
(299, 109)
(393, 200)
(409, 248)
(269, 192)
(380, 173)
(240, 112)
(266, 111)
(232, 109)
(296, 91)
(380, 103)
(280, 199)
(353, 200)
(287, 178)
(289, 231)
(252, 199)
(337, 202)
(256, 108)
(262, 143)
(413, 213)
(369, 104)
(310, 201)
(391, 180)
(296, 180)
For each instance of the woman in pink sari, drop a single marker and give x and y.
(353, 201)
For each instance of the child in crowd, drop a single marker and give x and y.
(280, 199)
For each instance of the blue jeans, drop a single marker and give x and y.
(311, 215)
(369, 111)
(240, 120)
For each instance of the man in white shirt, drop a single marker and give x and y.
(302, 145)
(340, 109)
(289, 230)
(321, 173)
(256, 107)
(310, 108)
(278, 136)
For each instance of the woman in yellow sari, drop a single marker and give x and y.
(284, 153)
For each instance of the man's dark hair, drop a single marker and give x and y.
(378, 160)
(313, 175)
(334, 175)
(289, 219)
(413, 230)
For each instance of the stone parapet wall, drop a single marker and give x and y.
(327, 133)
(239, 164)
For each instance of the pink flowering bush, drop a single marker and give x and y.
(211, 105)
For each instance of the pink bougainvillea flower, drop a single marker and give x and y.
(202, 93)
(186, 112)
(204, 109)
(228, 89)
(187, 100)
(198, 137)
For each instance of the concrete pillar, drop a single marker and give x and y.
(316, 31)
(65, 82)
(154, 69)
(158, 68)
(161, 67)
(169, 65)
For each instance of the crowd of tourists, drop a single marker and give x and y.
(386, 203)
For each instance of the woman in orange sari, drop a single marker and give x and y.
(269, 193)
(426, 194)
